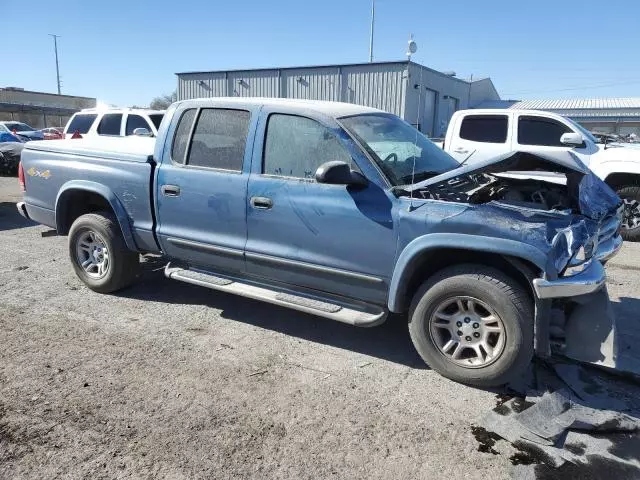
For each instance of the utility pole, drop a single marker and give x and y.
(373, 18)
(55, 46)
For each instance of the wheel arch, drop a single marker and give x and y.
(426, 255)
(78, 197)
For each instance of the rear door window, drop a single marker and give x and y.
(110, 124)
(541, 131)
(485, 128)
(136, 121)
(219, 139)
(81, 123)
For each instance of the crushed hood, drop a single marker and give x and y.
(584, 191)
(566, 162)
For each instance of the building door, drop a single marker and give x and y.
(428, 115)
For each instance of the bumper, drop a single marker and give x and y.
(22, 209)
(589, 281)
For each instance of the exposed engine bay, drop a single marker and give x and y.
(478, 188)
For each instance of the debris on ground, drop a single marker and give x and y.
(567, 421)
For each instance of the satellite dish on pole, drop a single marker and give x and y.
(412, 47)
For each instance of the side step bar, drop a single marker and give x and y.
(360, 315)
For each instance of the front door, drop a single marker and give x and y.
(202, 187)
(331, 238)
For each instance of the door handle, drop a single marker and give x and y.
(263, 203)
(170, 190)
(461, 150)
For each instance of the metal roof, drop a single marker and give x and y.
(580, 104)
(337, 65)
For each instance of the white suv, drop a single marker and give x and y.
(119, 122)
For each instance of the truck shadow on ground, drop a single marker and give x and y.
(10, 219)
(389, 341)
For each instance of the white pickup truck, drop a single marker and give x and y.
(477, 135)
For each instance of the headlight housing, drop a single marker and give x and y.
(580, 261)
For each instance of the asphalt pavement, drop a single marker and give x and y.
(169, 380)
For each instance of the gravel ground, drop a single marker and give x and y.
(168, 380)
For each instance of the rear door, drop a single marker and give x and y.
(478, 137)
(201, 186)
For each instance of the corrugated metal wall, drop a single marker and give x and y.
(380, 86)
(375, 85)
(416, 93)
(311, 83)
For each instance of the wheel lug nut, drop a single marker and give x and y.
(468, 338)
(459, 332)
(467, 319)
(476, 334)
(476, 325)
(459, 324)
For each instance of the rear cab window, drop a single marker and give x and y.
(485, 128)
(81, 123)
(110, 124)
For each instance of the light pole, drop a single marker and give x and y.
(55, 46)
(373, 18)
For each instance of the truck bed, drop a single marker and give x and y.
(118, 169)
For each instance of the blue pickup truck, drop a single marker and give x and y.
(341, 211)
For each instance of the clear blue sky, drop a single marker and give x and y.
(126, 52)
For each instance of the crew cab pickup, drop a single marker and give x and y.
(340, 211)
(476, 135)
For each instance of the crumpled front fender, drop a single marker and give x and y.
(408, 258)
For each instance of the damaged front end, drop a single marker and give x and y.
(581, 219)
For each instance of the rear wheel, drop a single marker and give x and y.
(473, 324)
(99, 254)
(630, 195)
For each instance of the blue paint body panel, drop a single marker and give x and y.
(356, 242)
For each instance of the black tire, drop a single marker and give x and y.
(508, 299)
(123, 265)
(630, 193)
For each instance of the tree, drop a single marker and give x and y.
(163, 101)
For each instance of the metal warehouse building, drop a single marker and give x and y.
(40, 109)
(606, 115)
(422, 96)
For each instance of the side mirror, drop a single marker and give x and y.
(142, 132)
(339, 173)
(572, 139)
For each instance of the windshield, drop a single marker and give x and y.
(156, 118)
(18, 127)
(403, 153)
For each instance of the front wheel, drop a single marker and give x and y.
(99, 255)
(473, 324)
(630, 195)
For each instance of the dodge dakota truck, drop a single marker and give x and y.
(476, 135)
(341, 211)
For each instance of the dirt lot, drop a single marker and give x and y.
(167, 380)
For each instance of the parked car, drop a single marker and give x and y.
(21, 130)
(52, 133)
(474, 136)
(341, 211)
(10, 157)
(114, 122)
